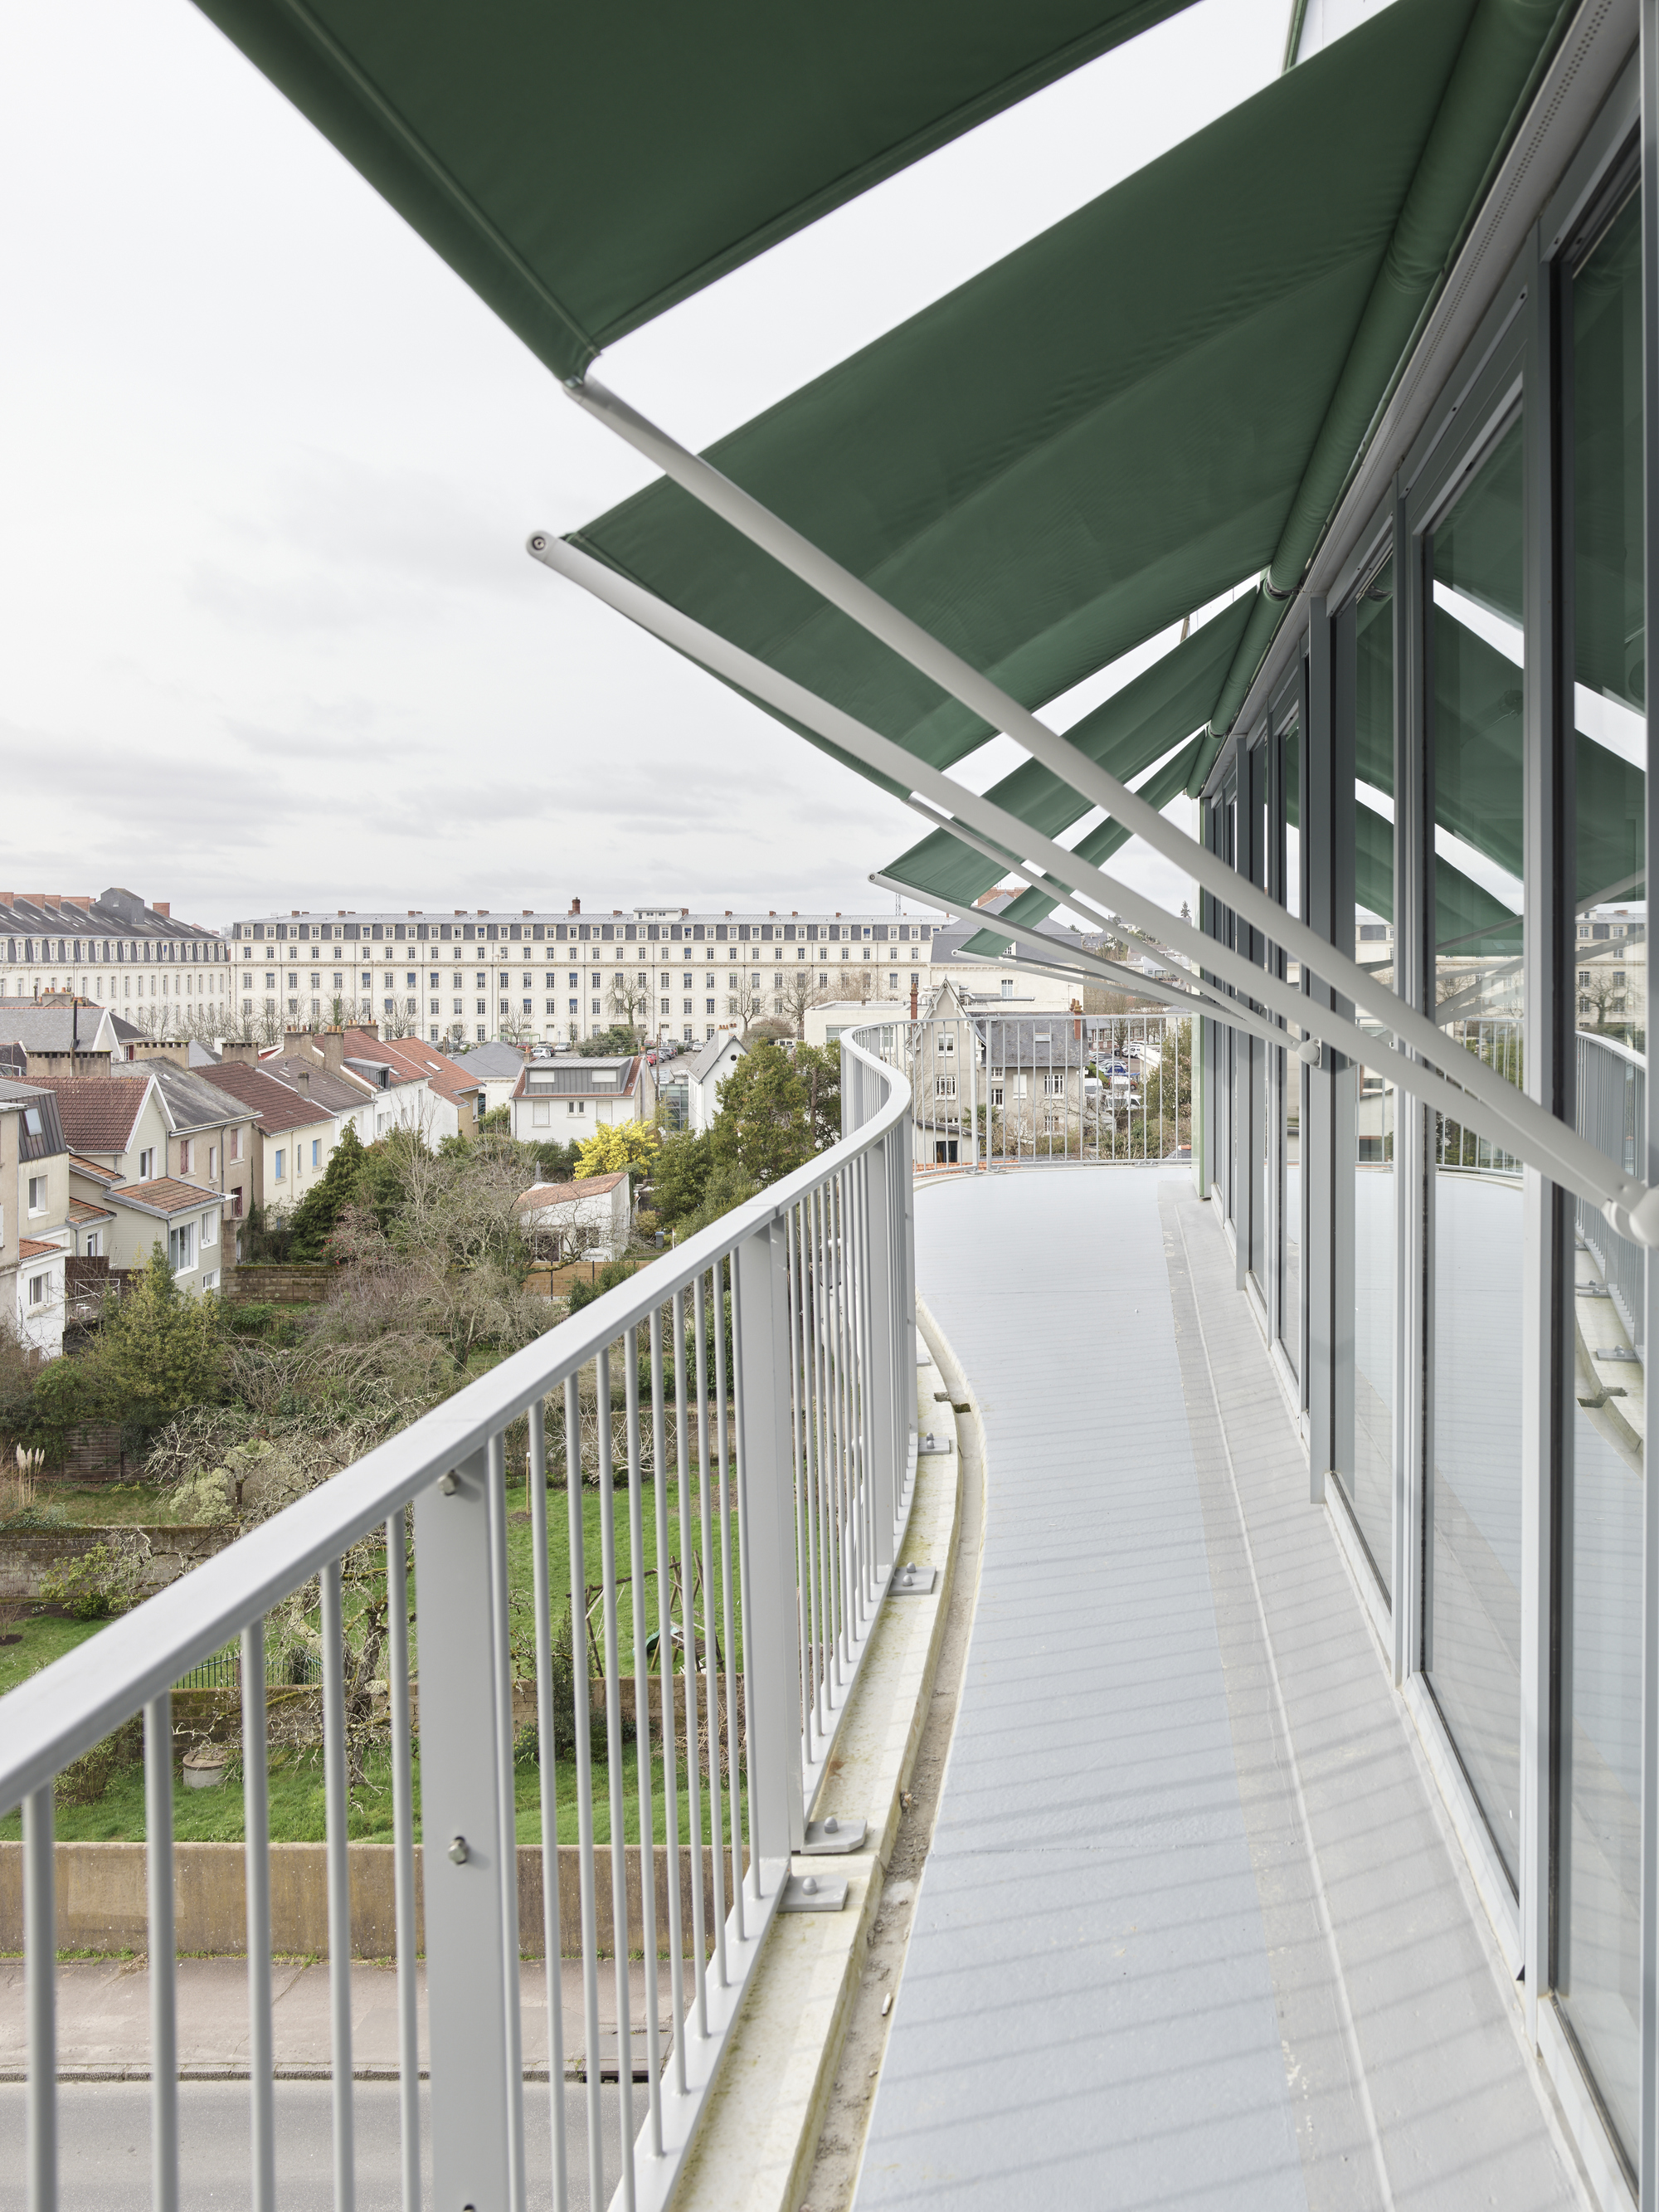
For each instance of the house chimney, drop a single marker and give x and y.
(575, 906)
(331, 1045)
(370, 1029)
(164, 908)
(239, 1049)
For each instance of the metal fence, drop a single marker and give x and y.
(1612, 1113)
(772, 1526)
(1497, 1040)
(992, 1090)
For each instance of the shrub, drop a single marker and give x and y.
(613, 1271)
(105, 1579)
(84, 1780)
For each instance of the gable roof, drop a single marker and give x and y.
(494, 1061)
(709, 1053)
(342, 1092)
(56, 1029)
(564, 1194)
(188, 1101)
(166, 1195)
(99, 1113)
(275, 1105)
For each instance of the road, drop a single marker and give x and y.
(104, 2131)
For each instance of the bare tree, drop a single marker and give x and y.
(629, 1001)
(800, 995)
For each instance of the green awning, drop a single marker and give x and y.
(1126, 733)
(1033, 906)
(1094, 436)
(582, 169)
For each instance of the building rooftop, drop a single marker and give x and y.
(166, 1195)
(99, 1113)
(275, 1105)
(563, 1194)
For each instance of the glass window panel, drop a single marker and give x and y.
(1597, 1927)
(1369, 1480)
(1472, 1640)
(1289, 1081)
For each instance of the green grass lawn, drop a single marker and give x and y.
(296, 1781)
(297, 1810)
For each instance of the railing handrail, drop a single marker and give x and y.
(57, 1714)
(1613, 1045)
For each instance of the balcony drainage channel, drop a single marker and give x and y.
(843, 2129)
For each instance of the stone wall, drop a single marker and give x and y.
(288, 1282)
(100, 1899)
(25, 1554)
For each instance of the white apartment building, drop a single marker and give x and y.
(117, 951)
(531, 977)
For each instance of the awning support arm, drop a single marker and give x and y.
(1040, 951)
(1547, 1139)
(1509, 1119)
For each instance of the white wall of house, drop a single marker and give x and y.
(40, 1297)
(595, 1224)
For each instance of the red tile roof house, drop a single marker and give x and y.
(414, 1086)
(294, 1135)
(123, 1134)
(584, 1220)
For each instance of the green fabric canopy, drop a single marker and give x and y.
(1093, 437)
(1033, 906)
(582, 169)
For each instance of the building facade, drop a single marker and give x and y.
(115, 951)
(548, 978)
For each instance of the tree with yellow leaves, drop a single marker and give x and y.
(617, 1145)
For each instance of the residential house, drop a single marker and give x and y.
(35, 1200)
(406, 1084)
(154, 1121)
(565, 1100)
(419, 1087)
(59, 1036)
(702, 1074)
(349, 1097)
(208, 1133)
(498, 1068)
(588, 1219)
(292, 1135)
(1033, 1068)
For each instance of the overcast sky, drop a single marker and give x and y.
(270, 637)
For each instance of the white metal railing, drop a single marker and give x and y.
(993, 1089)
(802, 1438)
(1612, 1083)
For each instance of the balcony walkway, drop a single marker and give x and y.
(1191, 1932)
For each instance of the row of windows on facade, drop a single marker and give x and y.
(38, 951)
(619, 954)
(813, 933)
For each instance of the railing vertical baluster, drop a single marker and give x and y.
(671, 1808)
(776, 1812)
(693, 1775)
(337, 1805)
(710, 1673)
(547, 1748)
(643, 1742)
(506, 1835)
(794, 1279)
(734, 1792)
(572, 1477)
(615, 1774)
(398, 1721)
(256, 1827)
(815, 1309)
(41, 1997)
(832, 1511)
(163, 1979)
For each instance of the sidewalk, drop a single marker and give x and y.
(103, 2019)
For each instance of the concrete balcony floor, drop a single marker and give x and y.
(1194, 1930)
